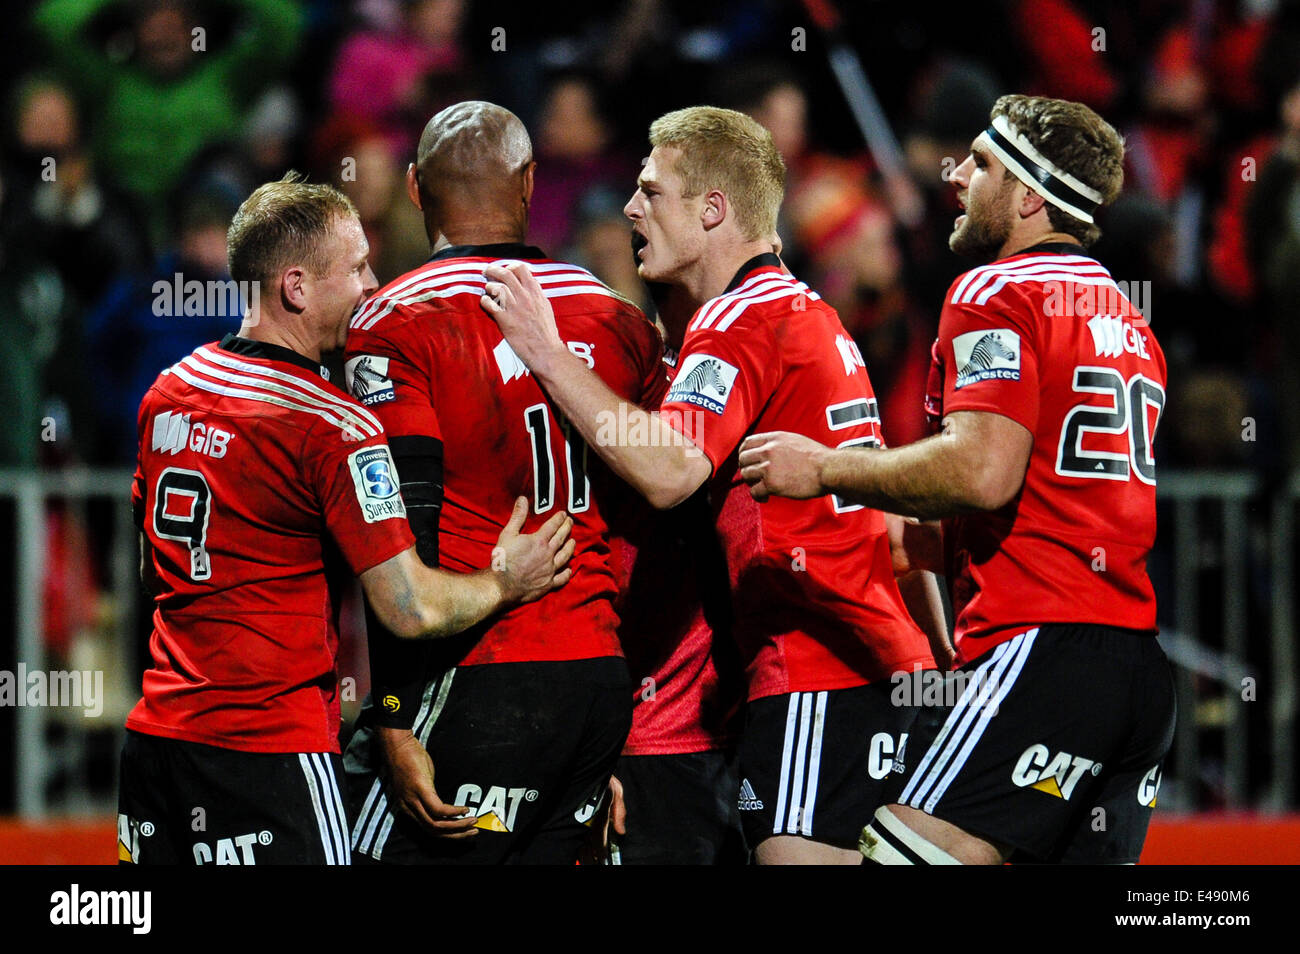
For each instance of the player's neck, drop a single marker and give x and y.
(1019, 243)
(483, 231)
(256, 327)
(715, 269)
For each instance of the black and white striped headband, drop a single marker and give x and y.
(1037, 171)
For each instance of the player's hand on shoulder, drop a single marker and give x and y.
(408, 774)
(514, 299)
(781, 464)
(532, 564)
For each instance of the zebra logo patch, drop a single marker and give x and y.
(986, 355)
(704, 381)
(367, 379)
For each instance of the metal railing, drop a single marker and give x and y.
(31, 493)
(1223, 508)
(1215, 514)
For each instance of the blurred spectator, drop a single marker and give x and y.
(383, 73)
(33, 310)
(180, 90)
(1273, 236)
(602, 243)
(81, 225)
(575, 152)
(151, 320)
(952, 100)
(351, 153)
(855, 264)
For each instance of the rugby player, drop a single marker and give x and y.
(523, 717)
(676, 785)
(258, 486)
(1049, 385)
(819, 618)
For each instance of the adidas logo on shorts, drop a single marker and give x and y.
(749, 802)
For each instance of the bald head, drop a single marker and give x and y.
(474, 155)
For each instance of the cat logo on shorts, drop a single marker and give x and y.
(497, 809)
(1054, 774)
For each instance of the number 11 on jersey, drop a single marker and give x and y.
(537, 418)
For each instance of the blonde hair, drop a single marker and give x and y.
(281, 224)
(1077, 141)
(726, 150)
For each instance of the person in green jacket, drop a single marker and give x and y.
(182, 89)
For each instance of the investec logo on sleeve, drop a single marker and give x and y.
(704, 381)
(984, 355)
(375, 479)
(367, 379)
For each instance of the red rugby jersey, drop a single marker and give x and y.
(437, 366)
(675, 622)
(813, 586)
(248, 462)
(1046, 338)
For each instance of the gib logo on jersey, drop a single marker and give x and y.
(375, 479)
(367, 379)
(986, 355)
(1054, 774)
(704, 381)
(498, 808)
(173, 433)
(1113, 336)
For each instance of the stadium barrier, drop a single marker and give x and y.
(1224, 511)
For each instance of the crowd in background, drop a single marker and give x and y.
(132, 129)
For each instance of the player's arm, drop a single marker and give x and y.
(920, 592)
(977, 462)
(415, 601)
(666, 469)
(148, 572)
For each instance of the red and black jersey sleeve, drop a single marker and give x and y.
(724, 379)
(360, 497)
(989, 357)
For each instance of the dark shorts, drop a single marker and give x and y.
(816, 764)
(528, 747)
(184, 803)
(681, 810)
(1051, 743)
